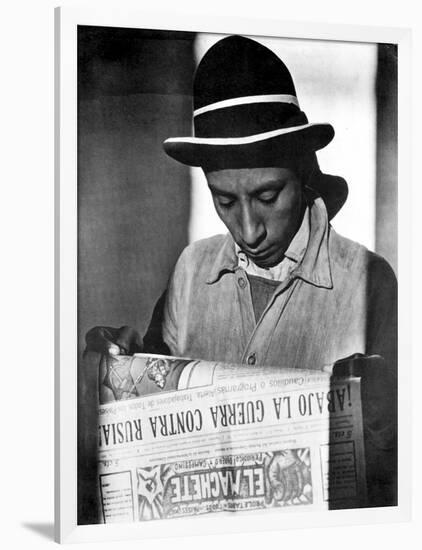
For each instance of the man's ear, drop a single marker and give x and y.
(307, 167)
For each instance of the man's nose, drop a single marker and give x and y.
(253, 230)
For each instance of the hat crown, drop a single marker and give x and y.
(242, 88)
(240, 67)
(246, 115)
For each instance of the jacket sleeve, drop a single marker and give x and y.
(153, 340)
(162, 334)
(381, 330)
(379, 387)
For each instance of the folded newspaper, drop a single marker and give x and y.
(178, 437)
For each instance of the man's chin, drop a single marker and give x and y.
(266, 265)
(267, 262)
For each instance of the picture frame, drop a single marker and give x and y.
(67, 21)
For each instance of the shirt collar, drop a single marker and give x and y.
(297, 247)
(225, 260)
(309, 249)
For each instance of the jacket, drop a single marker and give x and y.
(339, 300)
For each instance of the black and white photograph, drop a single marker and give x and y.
(237, 206)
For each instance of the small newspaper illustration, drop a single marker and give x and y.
(178, 437)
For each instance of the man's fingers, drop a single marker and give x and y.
(115, 349)
(137, 344)
(112, 341)
(129, 341)
(101, 340)
(358, 365)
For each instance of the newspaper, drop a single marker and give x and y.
(178, 437)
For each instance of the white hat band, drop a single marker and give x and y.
(271, 98)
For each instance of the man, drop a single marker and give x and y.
(282, 288)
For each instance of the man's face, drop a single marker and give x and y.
(261, 208)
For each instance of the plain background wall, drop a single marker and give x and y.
(134, 91)
(386, 187)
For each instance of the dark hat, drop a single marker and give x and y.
(246, 112)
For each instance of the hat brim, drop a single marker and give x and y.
(250, 151)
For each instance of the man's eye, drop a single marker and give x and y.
(268, 196)
(226, 202)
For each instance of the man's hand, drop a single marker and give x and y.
(379, 412)
(110, 341)
(379, 395)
